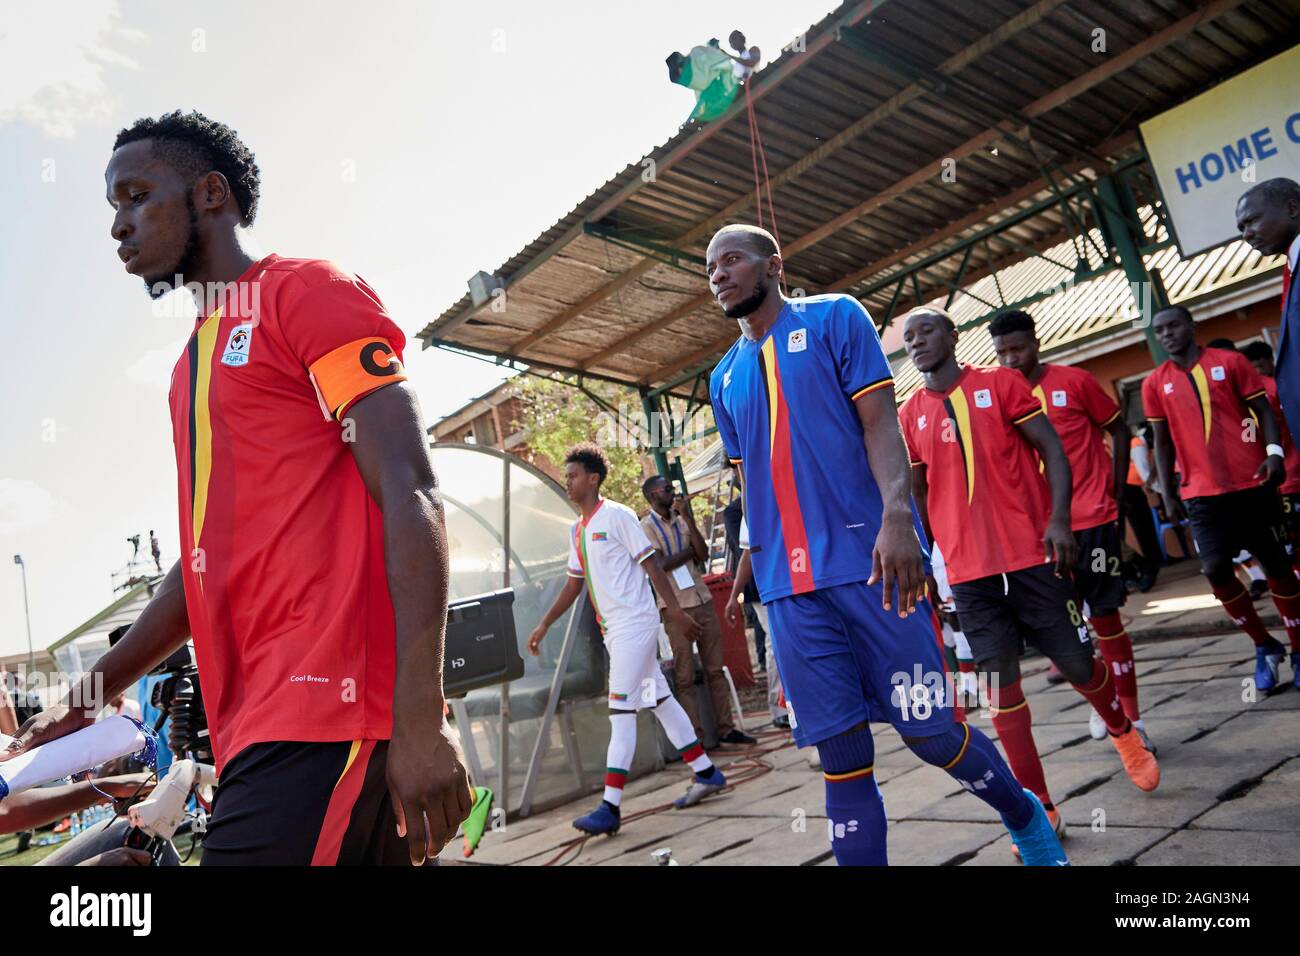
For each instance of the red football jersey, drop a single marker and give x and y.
(1079, 409)
(1204, 407)
(1292, 484)
(282, 545)
(988, 503)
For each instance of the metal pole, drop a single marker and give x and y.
(459, 711)
(1116, 206)
(652, 424)
(552, 702)
(503, 771)
(31, 658)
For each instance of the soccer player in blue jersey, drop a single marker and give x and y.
(804, 403)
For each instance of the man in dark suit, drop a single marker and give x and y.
(1268, 218)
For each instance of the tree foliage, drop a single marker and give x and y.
(556, 416)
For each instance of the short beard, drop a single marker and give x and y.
(750, 305)
(189, 257)
(937, 364)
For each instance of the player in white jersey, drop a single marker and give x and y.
(610, 553)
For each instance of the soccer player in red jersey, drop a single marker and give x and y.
(1080, 411)
(972, 434)
(314, 565)
(1200, 402)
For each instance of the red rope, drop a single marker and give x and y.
(757, 154)
(753, 154)
(747, 765)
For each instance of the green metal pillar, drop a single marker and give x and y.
(677, 473)
(651, 422)
(1118, 213)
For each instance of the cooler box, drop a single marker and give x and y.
(735, 644)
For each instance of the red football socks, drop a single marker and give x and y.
(1100, 692)
(1286, 597)
(1236, 601)
(1014, 726)
(1117, 651)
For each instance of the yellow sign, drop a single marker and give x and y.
(1210, 150)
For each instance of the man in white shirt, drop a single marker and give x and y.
(610, 553)
(747, 60)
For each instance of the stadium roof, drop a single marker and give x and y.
(123, 610)
(1076, 314)
(858, 128)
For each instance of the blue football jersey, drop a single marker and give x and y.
(784, 408)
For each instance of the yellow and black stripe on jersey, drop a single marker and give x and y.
(202, 344)
(959, 414)
(1201, 389)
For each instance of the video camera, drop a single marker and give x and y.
(180, 698)
(480, 650)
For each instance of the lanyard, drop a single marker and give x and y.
(677, 531)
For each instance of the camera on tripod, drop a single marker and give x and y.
(480, 650)
(180, 699)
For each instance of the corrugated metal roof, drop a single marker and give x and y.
(568, 228)
(1079, 311)
(856, 132)
(123, 610)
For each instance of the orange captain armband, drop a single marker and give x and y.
(354, 370)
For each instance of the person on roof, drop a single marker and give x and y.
(746, 62)
(714, 74)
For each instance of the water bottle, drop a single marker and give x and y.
(76, 825)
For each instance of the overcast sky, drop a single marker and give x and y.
(413, 142)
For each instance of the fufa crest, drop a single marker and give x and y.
(983, 398)
(237, 346)
(1058, 397)
(798, 341)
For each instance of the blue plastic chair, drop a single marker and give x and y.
(1178, 529)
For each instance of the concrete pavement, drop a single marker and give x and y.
(1230, 765)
